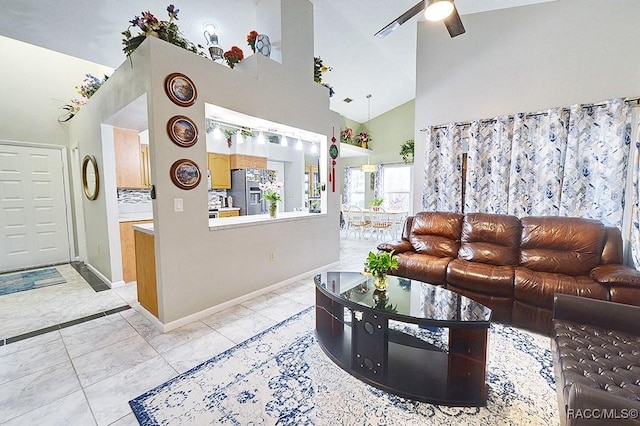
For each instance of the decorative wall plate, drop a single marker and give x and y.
(185, 174)
(182, 131)
(180, 89)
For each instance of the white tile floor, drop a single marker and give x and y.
(87, 373)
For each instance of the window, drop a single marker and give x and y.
(396, 187)
(356, 187)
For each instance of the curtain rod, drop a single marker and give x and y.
(465, 124)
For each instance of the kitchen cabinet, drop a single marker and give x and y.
(127, 246)
(146, 271)
(241, 161)
(220, 167)
(132, 159)
(312, 179)
(229, 213)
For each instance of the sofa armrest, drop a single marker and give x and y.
(591, 406)
(600, 313)
(399, 246)
(616, 274)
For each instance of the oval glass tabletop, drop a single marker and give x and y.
(404, 297)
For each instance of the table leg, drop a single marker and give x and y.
(467, 370)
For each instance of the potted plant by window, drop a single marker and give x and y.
(379, 265)
(406, 151)
(376, 203)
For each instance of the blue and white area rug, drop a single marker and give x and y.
(281, 376)
(28, 280)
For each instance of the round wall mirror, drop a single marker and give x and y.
(90, 177)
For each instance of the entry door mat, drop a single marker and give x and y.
(29, 280)
(281, 376)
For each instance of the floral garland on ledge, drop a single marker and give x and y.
(88, 88)
(318, 69)
(149, 26)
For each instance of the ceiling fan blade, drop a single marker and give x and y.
(454, 23)
(393, 25)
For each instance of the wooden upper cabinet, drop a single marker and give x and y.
(219, 166)
(127, 150)
(240, 161)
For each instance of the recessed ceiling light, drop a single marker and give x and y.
(348, 100)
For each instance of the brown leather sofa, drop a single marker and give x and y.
(515, 266)
(596, 357)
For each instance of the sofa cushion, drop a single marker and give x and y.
(482, 278)
(562, 245)
(422, 267)
(436, 233)
(608, 360)
(537, 288)
(490, 238)
(625, 294)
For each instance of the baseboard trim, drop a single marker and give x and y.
(104, 279)
(165, 327)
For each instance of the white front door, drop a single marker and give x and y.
(33, 214)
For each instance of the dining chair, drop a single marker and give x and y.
(355, 221)
(380, 223)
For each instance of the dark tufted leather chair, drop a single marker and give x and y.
(596, 350)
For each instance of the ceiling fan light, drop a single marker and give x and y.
(437, 10)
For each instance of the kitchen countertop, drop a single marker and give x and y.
(135, 216)
(244, 221)
(224, 209)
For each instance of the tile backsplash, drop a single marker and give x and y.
(133, 196)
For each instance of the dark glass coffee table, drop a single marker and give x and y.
(352, 327)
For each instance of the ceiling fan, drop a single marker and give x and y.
(435, 10)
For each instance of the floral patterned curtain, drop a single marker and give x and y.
(489, 165)
(377, 185)
(635, 207)
(443, 169)
(537, 161)
(345, 187)
(595, 171)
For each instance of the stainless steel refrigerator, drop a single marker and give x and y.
(246, 192)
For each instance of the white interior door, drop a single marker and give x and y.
(33, 214)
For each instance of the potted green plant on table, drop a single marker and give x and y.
(379, 265)
(376, 203)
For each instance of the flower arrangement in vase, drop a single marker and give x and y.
(363, 140)
(379, 265)
(271, 193)
(233, 56)
(149, 26)
(346, 135)
(251, 40)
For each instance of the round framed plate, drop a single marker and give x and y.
(185, 174)
(182, 131)
(180, 89)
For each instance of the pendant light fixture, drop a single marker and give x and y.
(299, 144)
(261, 138)
(239, 138)
(283, 140)
(369, 168)
(217, 133)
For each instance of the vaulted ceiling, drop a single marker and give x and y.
(343, 29)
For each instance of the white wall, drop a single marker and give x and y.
(197, 268)
(35, 83)
(525, 59)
